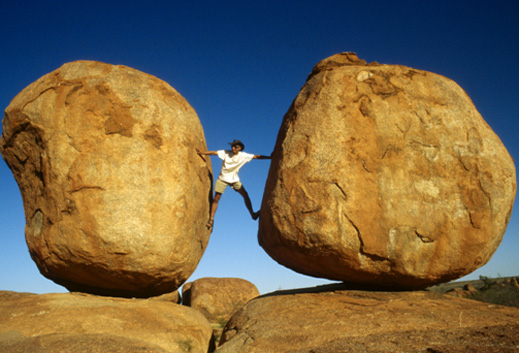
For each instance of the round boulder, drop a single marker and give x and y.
(115, 196)
(218, 298)
(386, 176)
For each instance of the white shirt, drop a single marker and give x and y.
(231, 164)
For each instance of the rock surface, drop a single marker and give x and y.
(87, 343)
(115, 196)
(173, 297)
(71, 322)
(387, 176)
(330, 319)
(218, 298)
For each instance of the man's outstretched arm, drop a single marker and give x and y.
(207, 153)
(259, 156)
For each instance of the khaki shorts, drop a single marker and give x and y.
(220, 186)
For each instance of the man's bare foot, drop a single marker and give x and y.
(209, 224)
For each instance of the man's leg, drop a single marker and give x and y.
(214, 206)
(248, 203)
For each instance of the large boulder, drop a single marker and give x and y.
(115, 196)
(332, 319)
(73, 322)
(387, 176)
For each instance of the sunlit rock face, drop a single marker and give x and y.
(115, 196)
(336, 320)
(385, 175)
(82, 323)
(218, 298)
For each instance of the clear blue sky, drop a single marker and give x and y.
(240, 64)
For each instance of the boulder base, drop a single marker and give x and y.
(86, 323)
(331, 319)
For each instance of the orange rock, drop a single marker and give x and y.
(218, 298)
(73, 322)
(331, 319)
(470, 288)
(385, 175)
(115, 195)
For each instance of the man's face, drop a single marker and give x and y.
(236, 149)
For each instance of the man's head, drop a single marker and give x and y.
(237, 143)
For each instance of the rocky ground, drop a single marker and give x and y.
(334, 319)
(82, 323)
(324, 319)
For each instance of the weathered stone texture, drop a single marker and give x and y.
(218, 298)
(71, 322)
(331, 319)
(115, 196)
(385, 175)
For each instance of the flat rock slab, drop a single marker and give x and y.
(75, 322)
(330, 319)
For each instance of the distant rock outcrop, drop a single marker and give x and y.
(115, 196)
(331, 319)
(387, 176)
(71, 322)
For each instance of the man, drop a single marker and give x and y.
(233, 160)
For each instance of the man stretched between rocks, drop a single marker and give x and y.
(233, 160)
